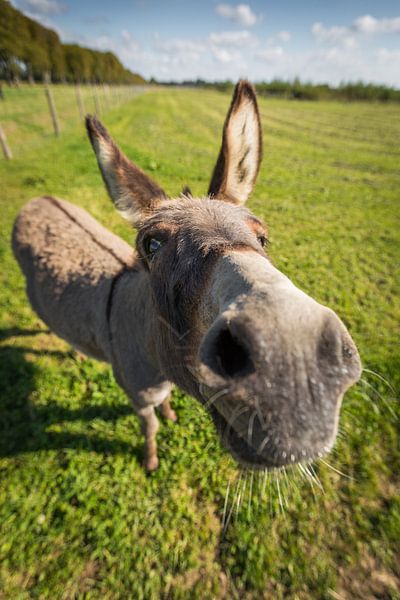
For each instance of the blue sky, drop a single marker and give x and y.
(316, 40)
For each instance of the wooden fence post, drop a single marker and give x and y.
(79, 100)
(106, 95)
(116, 95)
(4, 144)
(96, 101)
(53, 112)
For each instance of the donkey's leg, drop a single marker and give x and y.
(149, 424)
(167, 411)
(149, 398)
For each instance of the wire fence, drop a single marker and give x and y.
(31, 113)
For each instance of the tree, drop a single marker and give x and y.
(34, 52)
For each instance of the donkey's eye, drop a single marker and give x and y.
(151, 245)
(263, 240)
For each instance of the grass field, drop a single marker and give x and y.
(78, 516)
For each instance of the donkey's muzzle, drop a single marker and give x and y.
(280, 380)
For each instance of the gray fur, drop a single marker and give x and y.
(205, 310)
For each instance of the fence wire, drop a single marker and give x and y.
(26, 117)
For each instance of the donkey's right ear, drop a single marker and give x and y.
(239, 159)
(134, 194)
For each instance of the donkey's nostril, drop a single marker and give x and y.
(231, 358)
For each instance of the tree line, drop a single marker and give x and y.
(31, 52)
(344, 92)
(298, 90)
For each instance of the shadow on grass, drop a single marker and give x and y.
(24, 426)
(17, 332)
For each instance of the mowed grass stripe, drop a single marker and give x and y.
(358, 120)
(349, 113)
(362, 164)
(335, 136)
(369, 151)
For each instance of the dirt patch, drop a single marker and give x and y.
(366, 581)
(83, 582)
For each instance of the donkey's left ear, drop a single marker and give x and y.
(134, 194)
(239, 159)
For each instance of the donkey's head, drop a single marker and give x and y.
(269, 362)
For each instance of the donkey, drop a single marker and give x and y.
(198, 303)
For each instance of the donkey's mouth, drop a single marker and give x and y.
(236, 444)
(261, 447)
(243, 452)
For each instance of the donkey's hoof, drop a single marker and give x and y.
(151, 463)
(167, 412)
(171, 416)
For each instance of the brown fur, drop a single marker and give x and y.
(122, 178)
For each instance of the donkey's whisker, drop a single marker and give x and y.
(263, 444)
(250, 428)
(239, 496)
(260, 415)
(239, 410)
(316, 478)
(279, 494)
(386, 403)
(375, 374)
(228, 487)
(232, 504)
(171, 328)
(324, 462)
(250, 494)
(215, 397)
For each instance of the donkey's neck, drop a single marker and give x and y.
(133, 329)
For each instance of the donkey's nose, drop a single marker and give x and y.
(234, 349)
(226, 350)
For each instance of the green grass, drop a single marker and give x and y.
(78, 516)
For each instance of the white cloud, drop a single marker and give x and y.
(223, 55)
(179, 52)
(239, 13)
(270, 55)
(337, 64)
(334, 35)
(346, 35)
(129, 43)
(101, 42)
(284, 36)
(225, 47)
(368, 24)
(232, 38)
(231, 61)
(365, 24)
(180, 45)
(389, 56)
(44, 7)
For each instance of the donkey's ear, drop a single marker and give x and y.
(133, 193)
(239, 159)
